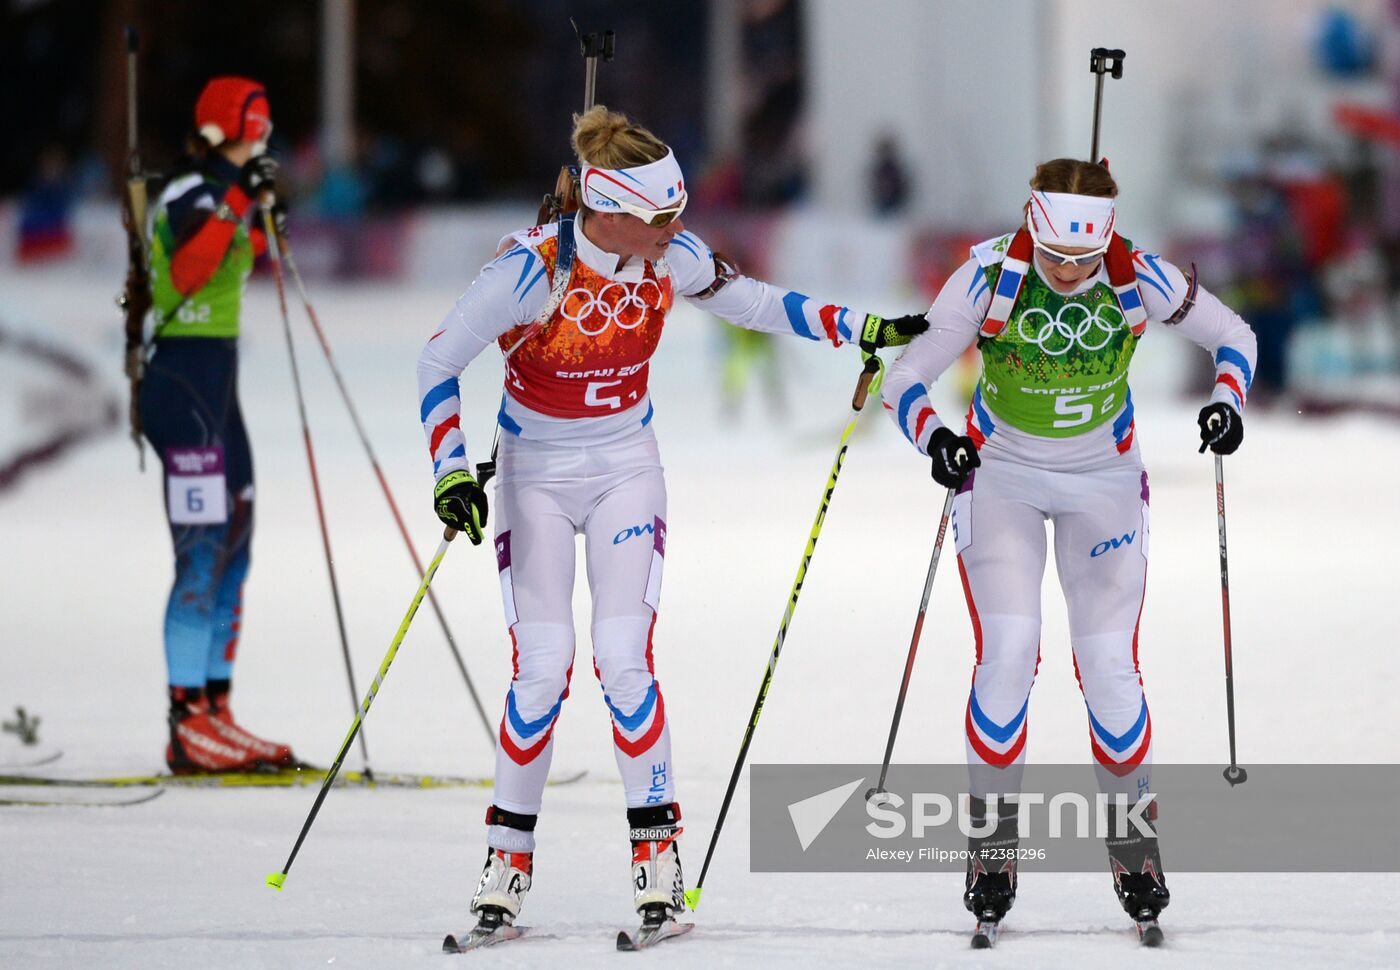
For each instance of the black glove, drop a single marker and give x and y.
(279, 218)
(461, 504)
(258, 174)
(1222, 428)
(954, 457)
(894, 332)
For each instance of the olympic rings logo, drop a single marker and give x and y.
(627, 307)
(1074, 324)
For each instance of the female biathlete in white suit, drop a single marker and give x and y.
(578, 307)
(1057, 308)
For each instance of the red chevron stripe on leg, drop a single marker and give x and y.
(635, 749)
(986, 753)
(523, 756)
(1122, 768)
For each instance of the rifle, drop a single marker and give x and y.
(135, 300)
(564, 198)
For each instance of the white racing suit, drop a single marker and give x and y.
(578, 456)
(1092, 486)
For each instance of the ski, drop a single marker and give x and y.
(282, 778)
(985, 936)
(481, 936)
(650, 934)
(36, 762)
(1149, 933)
(77, 803)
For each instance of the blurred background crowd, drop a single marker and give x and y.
(867, 144)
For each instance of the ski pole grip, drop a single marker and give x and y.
(448, 534)
(867, 374)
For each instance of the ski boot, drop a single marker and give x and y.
(1138, 880)
(196, 744)
(657, 881)
(990, 890)
(270, 753)
(505, 879)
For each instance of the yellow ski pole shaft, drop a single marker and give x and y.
(868, 383)
(276, 879)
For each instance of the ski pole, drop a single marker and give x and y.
(1234, 774)
(275, 255)
(135, 299)
(286, 252)
(1102, 61)
(869, 383)
(276, 879)
(879, 789)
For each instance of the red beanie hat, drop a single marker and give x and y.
(233, 109)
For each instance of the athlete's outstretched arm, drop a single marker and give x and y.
(754, 304)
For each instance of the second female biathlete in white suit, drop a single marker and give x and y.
(1057, 309)
(578, 456)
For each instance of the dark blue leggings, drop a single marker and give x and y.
(190, 415)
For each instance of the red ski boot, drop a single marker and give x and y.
(270, 753)
(196, 744)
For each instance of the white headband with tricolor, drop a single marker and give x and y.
(656, 185)
(1063, 219)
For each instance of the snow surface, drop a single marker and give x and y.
(385, 874)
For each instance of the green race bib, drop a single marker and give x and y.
(1060, 368)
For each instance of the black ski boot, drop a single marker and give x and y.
(1138, 880)
(990, 890)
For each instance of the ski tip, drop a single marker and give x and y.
(981, 941)
(449, 944)
(692, 898)
(276, 879)
(624, 942)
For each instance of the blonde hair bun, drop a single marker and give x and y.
(610, 139)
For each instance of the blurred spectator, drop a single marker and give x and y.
(774, 91)
(751, 356)
(889, 178)
(1343, 45)
(1274, 287)
(45, 206)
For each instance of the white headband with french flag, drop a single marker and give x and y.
(656, 185)
(1063, 219)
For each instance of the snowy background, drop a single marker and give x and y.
(385, 874)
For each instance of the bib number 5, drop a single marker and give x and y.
(1079, 409)
(593, 399)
